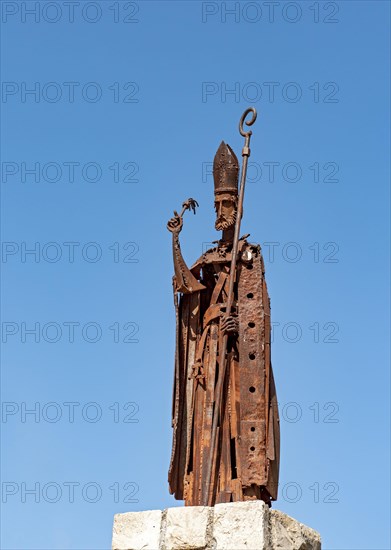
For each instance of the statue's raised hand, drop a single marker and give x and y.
(175, 224)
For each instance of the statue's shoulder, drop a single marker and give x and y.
(253, 247)
(251, 252)
(209, 256)
(250, 248)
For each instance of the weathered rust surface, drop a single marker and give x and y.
(225, 415)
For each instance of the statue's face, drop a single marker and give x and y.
(226, 208)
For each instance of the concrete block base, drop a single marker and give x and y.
(247, 525)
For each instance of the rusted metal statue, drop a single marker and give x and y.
(226, 439)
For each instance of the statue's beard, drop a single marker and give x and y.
(223, 222)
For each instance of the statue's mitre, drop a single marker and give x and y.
(225, 170)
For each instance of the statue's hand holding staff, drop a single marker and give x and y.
(229, 324)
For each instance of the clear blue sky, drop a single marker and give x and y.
(131, 102)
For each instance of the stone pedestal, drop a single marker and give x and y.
(247, 525)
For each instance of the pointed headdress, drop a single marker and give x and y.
(225, 170)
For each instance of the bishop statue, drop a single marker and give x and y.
(226, 437)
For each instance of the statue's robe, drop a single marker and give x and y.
(245, 464)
